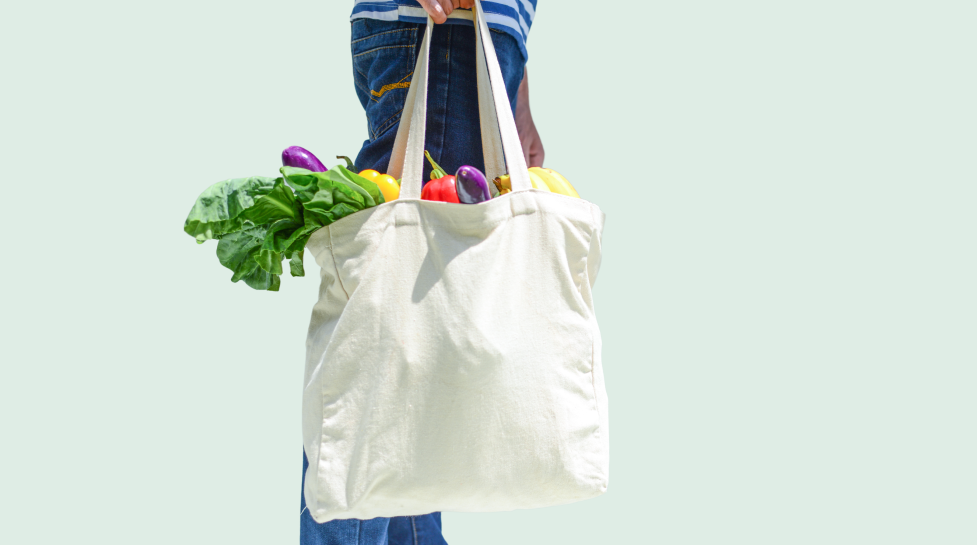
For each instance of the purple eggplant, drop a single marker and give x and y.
(295, 156)
(471, 185)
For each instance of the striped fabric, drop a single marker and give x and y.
(513, 17)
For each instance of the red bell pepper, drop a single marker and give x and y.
(441, 187)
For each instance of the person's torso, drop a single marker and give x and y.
(514, 17)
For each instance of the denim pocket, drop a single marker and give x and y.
(384, 53)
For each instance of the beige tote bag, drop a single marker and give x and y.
(453, 357)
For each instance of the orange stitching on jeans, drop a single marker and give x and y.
(399, 85)
(388, 87)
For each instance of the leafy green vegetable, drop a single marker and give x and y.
(278, 204)
(270, 255)
(237, 251)
(302, 181)
(295, 265)
(331, 203)
(220, 209)
(370, 187)
(260, 221)
(306, 183)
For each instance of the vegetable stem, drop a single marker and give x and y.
(438, 172)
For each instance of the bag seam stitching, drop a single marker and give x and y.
(455, 225)
(335, 266)
(593, 382)
(322, 386)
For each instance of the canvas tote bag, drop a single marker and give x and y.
(453, 357)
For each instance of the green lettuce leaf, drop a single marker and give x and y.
(260, 221)
(221, 208)
(302, 181)
(263, 281)
(370, 187)
(295, 264)
(277, 204)
(237, 251)
(272, 250)
(307, 184)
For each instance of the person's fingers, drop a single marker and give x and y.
(434, 9)
(536, 153)
(439, 10)
(532, 147)
(531, 143)
(447, 6)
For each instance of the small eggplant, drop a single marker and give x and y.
(471, 185)
(295, 156)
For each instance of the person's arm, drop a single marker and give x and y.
(532, 146)
(439, 10)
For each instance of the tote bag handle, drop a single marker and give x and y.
(500, 139)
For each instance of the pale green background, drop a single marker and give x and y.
(787, 299)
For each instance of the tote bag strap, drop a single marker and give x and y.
(500, 139)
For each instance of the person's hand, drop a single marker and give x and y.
(532, 146)
(439, 10)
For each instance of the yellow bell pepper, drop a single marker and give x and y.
(387, 184)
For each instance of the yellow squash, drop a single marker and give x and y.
(544, 179)
(538, 182)
(556, 181)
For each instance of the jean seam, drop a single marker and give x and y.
(447, 64)
(380, 48)
(361, 86)
(413, 51)
(413, 525)
(386, 124)
(358, 40)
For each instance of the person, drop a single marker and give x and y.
(385, 38)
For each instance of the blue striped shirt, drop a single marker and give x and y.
(513, 17)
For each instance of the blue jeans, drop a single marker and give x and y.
(419, 530)
(384, 53)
